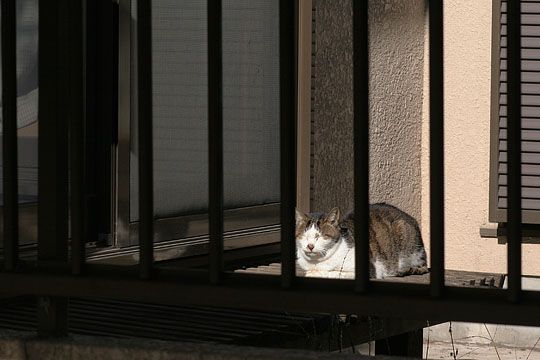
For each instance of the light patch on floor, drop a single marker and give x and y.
(481, 341)
(443, 350)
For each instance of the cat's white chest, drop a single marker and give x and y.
(339, 265)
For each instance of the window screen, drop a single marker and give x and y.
(251, 106)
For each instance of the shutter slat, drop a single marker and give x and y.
(526, 19)
(526, 89)
(526, 65)
(526, 123)
(526, 146)
(526, 42)
(526, 54)
(526, 158)
(526, 30)
(526, 76)
(526, 204)
(526, 192)
(526, 8)
(526, 169)
(526, 100)
(526, 135)
(526, 111)
(527, 180)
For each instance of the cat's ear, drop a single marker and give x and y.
(300, 217)
(333, 217)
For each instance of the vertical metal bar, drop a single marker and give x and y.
(126, 110)
(53, 105)
(514, 150)
(9, 135)
(106, 111)
(361, 142)
(101, 97)
(77, 139)
(92, 163)
(436, 138)
(288, 85)
(146, 174)
(215, 138)
(52, 317)
(303, 136)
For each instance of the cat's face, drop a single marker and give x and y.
(317, 235)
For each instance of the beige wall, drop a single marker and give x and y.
(468, 27)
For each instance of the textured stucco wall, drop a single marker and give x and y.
(396, 88)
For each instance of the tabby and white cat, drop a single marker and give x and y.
(325, 244)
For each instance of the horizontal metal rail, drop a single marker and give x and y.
(249, 291)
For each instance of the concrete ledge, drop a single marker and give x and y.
(25, 346)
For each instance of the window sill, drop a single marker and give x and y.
(490, 230)
(530, 233)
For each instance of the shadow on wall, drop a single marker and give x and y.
(396, 93)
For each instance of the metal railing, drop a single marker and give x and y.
(58, 276)
(514, 151)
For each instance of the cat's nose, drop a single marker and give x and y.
(310, 247)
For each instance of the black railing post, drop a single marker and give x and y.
(54, 106)
(514, 150)
(436, 140)
(146, 172)
(215, 138)
(9, 135)
(361, 142)
(287, 85)
(77, 138)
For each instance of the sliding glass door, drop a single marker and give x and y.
(180, 131)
